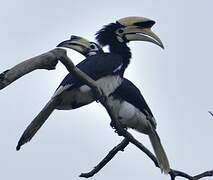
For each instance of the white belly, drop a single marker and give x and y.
(84, 95)
(129, 116)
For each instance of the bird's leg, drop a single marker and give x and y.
(112, 124)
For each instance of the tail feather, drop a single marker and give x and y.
(159, 152)
(38, 121)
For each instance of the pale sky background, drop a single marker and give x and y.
(176, 82)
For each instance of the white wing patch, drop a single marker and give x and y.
(118, 68)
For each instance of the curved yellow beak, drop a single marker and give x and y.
(138, 34)
(139, 29)
(76, 43)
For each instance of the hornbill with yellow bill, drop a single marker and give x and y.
(132, 111)
(106, 68)
(128, 104)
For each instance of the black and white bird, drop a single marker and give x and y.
(127, 101)
(132, 111)
(106, 68)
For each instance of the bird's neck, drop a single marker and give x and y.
(123, 50)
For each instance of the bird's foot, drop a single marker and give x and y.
(112, 124)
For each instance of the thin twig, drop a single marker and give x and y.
(48, 61)
(120, 147)
(121, 132)
(110, 155)
(129, 138)
(64, 59)
(174, 173)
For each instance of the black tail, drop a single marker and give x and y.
(36, 124)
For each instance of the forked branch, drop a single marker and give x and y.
(129, 138)
(120, 147)
(110, 155)
(49, 61)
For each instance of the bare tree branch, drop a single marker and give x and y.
(175, 173)
(121, 131)
(49, 61)
(61, 56)
(46, 61)
(110, 155)
(120, 147)
(129, 138)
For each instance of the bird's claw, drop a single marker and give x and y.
(112, 124)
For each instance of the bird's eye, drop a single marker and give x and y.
(92, 46)
(120, 31)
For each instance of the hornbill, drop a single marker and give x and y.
(132, 111)
(128, 104)
(106, 68)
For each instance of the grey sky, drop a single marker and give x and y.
(176, 82)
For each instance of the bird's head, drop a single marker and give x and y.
(81, 45)
(128, 29)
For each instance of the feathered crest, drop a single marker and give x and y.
(107, 34)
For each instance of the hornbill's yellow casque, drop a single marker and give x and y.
(106, 68)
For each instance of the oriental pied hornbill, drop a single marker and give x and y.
(132, 111)
(106, 68)
(128, 104)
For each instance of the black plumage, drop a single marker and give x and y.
(108, 68)
(96, 66)
(127, 91)
(107, 36)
